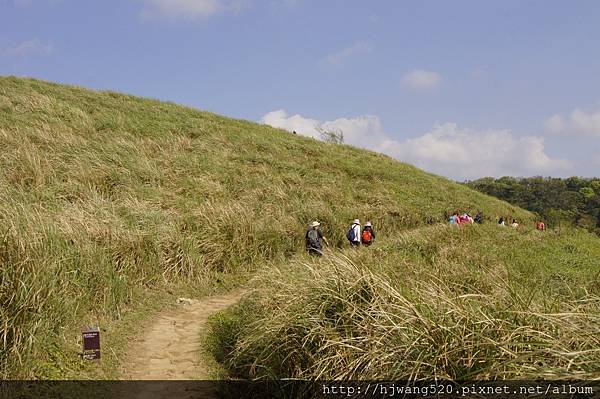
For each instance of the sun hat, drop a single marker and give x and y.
(315, 224)
(368, 224)
(356, 221)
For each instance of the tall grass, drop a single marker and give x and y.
(433, 303)
(105, 197)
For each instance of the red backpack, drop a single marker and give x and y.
(366, 237)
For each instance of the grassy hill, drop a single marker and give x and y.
(109, 204)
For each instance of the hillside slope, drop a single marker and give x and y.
(437, 302)
(105, 198)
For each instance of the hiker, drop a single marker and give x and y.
(454, 219)
(514, 224)
(478, 218)
(540, 226)
(353, 234)
(501, 222)
(314, 239)
(466, 218)
(368, 234)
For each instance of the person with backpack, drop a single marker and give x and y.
(479, 218)
(454, 219)
(466, 218)
(314, 239)
(353, 234)
(368, 234)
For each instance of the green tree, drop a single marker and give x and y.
(587, 192)
(573, 201)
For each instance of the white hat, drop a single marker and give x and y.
(315, 224)
(368, 224)
(356, 221)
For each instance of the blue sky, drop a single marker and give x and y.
(463, 88)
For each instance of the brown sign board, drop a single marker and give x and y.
(91, 343)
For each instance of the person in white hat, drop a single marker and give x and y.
(314, 239)
(353, 234)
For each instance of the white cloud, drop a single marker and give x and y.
(341, 56)
(421, 80)
(294, 123)
(446, 150)
(579, 123)
(28, 47)
(466, 154)
(359, 131)
(189, 9)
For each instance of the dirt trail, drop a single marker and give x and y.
(170, 348)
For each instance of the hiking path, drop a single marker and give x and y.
(169, 348)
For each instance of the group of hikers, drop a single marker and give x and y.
(457, 219)
(502, 222)
(539, 225)
(366, 235)
(356, 236)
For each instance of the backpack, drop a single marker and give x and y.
(351, 235)
(313, 238)
(366, 237)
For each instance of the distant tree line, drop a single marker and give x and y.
(558, 201)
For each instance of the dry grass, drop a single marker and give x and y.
(434, 303)
(105, 197)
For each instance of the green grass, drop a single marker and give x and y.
(481, 302)
(107, 198)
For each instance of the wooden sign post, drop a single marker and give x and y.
(91, 343)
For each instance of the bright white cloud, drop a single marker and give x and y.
(28, 47)
(466, 154)
(359, 131)
(579, 123)
(189, 9)
(294, 123)
(446, 150)
(341, 56)
(419, 79)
